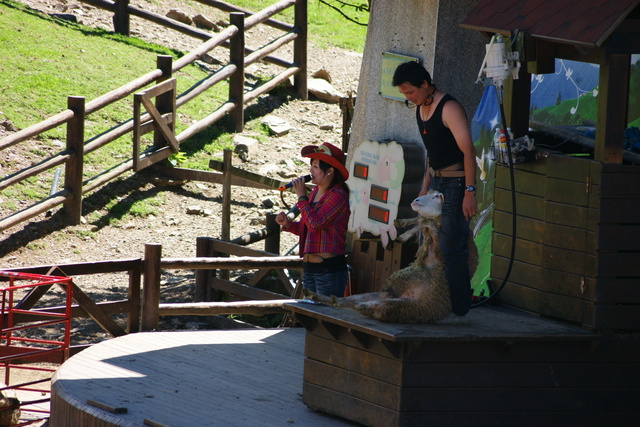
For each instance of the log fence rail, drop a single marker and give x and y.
(160, 118)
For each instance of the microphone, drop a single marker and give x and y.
(306, 178)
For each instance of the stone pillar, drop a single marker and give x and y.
(429, 30)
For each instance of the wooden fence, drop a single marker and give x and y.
(142, 305)
(160, 117)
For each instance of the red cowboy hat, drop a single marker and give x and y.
(329, 154)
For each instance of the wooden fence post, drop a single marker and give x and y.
(203, 277)
(166, 102)
(236, 81)
(74, 167)
(300, 49)
(133, 317)
(225, 233)
(272, 241)
(121, 18)
(151, 286)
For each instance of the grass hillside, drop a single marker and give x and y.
(45, 60)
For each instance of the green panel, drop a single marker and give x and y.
(520, 296)
(561, 307)
(526, 228)
(525, 182)
(569, 192)
(561, 236)
(569, 168)
(536, 277)
(564, 260)
(526, 205)
(563, 214)
(529, 275)
(526, 251)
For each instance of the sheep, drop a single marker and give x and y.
(419, 292)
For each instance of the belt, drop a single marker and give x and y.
(446, 173)
(318, 257)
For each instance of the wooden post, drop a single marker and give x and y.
(272, 242)
(613, 108)
(74, 167)
(203, 277)
(121, 18)
(300, 49)
(133, 317)
(151, 287)
(517, 105)
(236, 81)
(166, 102)
(225, 233)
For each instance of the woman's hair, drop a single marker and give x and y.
(337, 177)
(411, 72)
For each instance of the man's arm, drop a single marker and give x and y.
(455, 119)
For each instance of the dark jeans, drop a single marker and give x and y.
(454, 232)
(327, 278)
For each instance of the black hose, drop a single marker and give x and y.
(513, 205)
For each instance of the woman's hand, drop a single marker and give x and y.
(283, 220)
(299, 186)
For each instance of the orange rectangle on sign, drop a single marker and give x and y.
(379, 214)
(380, 194)
(361, 171)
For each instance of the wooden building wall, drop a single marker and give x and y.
(373, 263)
(577, 254)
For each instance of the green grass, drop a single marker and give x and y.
(46, 60)
(326, 26)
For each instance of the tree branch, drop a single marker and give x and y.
(360, 7)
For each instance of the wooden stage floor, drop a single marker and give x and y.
(244, 377)
(199, 378)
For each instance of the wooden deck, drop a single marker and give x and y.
(501, 366)
(200, 378)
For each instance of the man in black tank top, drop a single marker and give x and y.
(451, 169)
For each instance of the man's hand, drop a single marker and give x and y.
(469, 205)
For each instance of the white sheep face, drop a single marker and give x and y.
(429, 205)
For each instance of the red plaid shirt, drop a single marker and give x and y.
(323, 226)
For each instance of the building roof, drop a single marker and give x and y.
(579, 22)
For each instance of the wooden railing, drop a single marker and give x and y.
(143, 309)
(160, 118)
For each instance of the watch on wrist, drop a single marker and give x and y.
(470, 188)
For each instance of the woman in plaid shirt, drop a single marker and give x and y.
(324, 215)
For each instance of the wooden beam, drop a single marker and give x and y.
(544, 58)
(612, 108)
(96, 313)
(256, 308)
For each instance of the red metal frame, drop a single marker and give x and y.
(18, 350)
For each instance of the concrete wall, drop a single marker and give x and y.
(429, 30)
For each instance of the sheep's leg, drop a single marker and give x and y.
(395, 310)
(317, 297)
(346, 302)
(353, 300)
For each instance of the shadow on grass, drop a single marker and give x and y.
(124, 192)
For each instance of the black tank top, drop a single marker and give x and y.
(441, 146)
